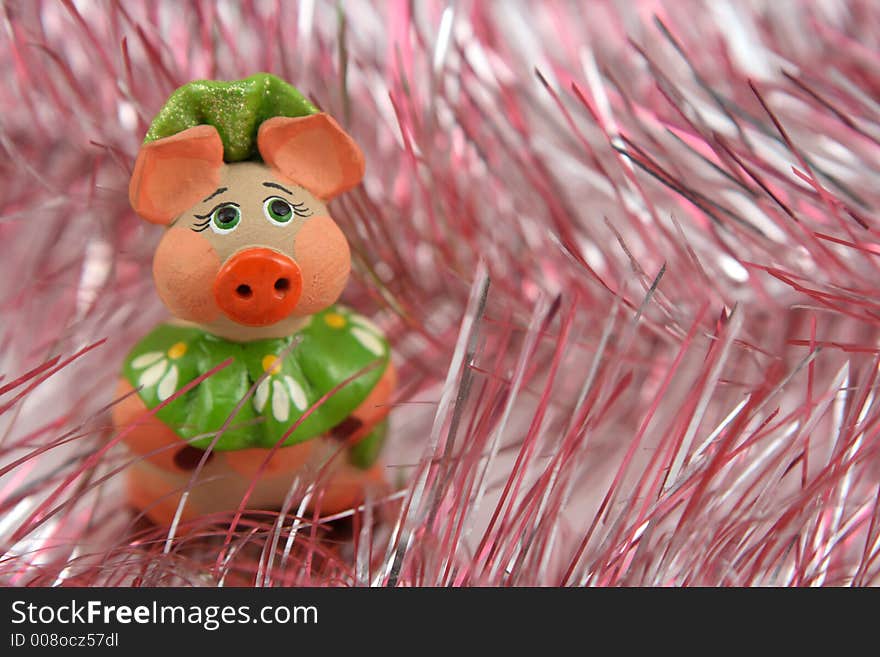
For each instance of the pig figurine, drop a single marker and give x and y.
(251, 265)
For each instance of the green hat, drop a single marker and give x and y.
(236, 108)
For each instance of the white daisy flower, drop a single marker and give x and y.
(261, 396)
(361, 329)
(297, 394)
(279, 391)
(160, 370)
(283, 391)
(280, 402)
(363, 322)
(370, 341)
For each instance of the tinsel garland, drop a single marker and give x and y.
(626, 253)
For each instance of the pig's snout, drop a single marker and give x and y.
(258, 287)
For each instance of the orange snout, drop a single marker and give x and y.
(258, 287)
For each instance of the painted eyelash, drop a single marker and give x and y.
(201, 225)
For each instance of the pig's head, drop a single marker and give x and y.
(250, 249)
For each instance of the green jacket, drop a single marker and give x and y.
(313, 380)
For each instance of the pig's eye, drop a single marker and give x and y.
(277, 210)
(225, 218)
(280, 211)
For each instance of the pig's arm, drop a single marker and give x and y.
(145, 434)
(372, 410)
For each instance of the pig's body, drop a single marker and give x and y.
(157, 481)
(251, 265)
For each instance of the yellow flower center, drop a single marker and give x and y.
(334, 320)
(176, 350)
(271, 364)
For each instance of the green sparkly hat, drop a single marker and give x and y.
(235, 108)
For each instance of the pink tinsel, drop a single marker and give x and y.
(625, 253)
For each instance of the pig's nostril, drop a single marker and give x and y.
(244, 291)
(282, 285)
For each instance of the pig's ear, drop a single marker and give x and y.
(312, 151)
(174, 173)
